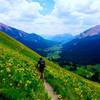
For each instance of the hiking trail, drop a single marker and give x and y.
(50, 91)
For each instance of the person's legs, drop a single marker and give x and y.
(42, 75)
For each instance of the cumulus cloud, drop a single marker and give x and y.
(77, 15)
(19, 10)
(68, 16)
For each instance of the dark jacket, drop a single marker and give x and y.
(41, 65)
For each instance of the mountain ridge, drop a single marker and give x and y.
(91, 31)
(84, 49)
(33, 41)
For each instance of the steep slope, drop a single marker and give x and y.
(33, 41)
(19, 78)
(85, 49)
(18, 66)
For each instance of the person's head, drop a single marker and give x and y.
(41, 58)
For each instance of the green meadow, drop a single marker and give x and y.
(19, 77)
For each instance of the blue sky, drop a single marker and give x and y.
(50, 17)
(47, 5)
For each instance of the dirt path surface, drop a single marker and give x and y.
(50, 91)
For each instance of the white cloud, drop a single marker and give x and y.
(19, 9)
(83, 13)
(4, 6)
(68, 16)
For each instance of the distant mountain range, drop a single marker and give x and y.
(33, 41)
(62, 38)
(85, 49)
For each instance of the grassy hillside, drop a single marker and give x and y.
(17, 46)
(20, 79)
(71, 86)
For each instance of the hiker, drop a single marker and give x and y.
(41, 66)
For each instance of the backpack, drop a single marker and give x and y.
(42, 63)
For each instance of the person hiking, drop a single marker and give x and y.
(41, 66)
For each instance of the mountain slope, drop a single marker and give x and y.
(16, 60)
(19, 78)
(85, 49)
(33, 41)
(91, 32)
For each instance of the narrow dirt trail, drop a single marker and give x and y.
(50, 91)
